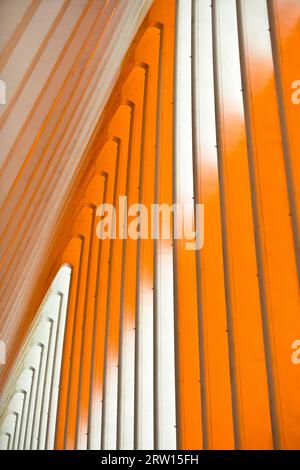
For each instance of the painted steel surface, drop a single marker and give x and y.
(168, 348)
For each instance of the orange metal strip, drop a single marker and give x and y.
(274, 236)
(134, 91)
(94, 194)
(71, 255)
(83, 226)
(147, 51)
(246, 348)
(285, 34)
(107, 162)
(215, 373)
(120, 127)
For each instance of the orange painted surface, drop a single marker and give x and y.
(129, 135)
(245, 276)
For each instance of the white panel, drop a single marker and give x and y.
(144, 364)
(89, 102)
(204, 86)
(126, 395)
(8, 428)
(165, 351)
(4, 441)
(61, 284)
(47, 327)
(183, 107)
(53, 311)
(34, 359)
(11, 14)
(34, 383)
(16, 407)
(25, 50)
(13, 73)
(25, 382)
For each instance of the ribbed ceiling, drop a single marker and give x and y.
(59, 60)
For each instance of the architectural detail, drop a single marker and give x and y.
(151, 345)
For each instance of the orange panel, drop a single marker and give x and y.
(202, 112)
